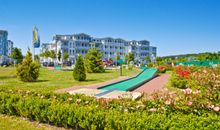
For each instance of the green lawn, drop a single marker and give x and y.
(18, 123)
(50, 80)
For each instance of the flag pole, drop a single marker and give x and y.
(33, 53)
(33, 46)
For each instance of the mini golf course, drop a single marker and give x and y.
(132, 83)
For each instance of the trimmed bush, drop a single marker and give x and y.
(79, 72)
(28, 71)
(81, 112)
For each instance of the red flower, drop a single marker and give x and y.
(183, 72)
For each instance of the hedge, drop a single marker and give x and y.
(81, 112)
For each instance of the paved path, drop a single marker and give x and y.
(149, 87)
(154, 84)
(95, 86)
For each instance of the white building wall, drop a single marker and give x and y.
(80, 43)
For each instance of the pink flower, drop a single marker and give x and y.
(216, 109)
(187, 91)
(168, 102)
(190, 103)
(153, 109)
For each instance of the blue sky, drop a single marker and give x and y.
(174, 26)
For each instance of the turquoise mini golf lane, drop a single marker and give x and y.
(126, 84)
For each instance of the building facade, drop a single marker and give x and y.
(6, 46)
(80, 43)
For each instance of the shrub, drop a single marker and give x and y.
(28, 71)
(130, 67)
(169, 67)
(81, 112)
(178, 82)
(93, 61)
(79, 72)
(182, 72)
(150, 64)
(205, 79)
(162, 69)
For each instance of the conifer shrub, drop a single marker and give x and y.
(28, 71)
(93, 61)
(79, 72)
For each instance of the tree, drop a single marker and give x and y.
(129, 57)
(148, 59)
(65, 55)
(28, 71)
(17, 55)
(37, 58)
(118, 56)
(45, 54)
(93, 61)
(52, 54)
(59, 55)
(79, 72)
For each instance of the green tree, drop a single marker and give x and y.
(129, 57)
(118, 56)
(79, 72)
(65, 55)
(59, 55)
(37, 58)
(93, 61)
(52, 54)
(28, 71)
(17, 55)
(45, 54)
(148, 59)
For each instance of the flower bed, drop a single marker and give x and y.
(82, 112)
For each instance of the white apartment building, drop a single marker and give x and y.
(80, 43)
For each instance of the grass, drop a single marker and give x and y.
(50, 80)
(18, 123)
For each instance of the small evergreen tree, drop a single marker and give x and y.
(59, 55)
(52, 54)
(148, 59)
(129, 57)
(17, 55)
(79, 72)
(118, 57)
(93, 61)
(28, 71)
(65, 55)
